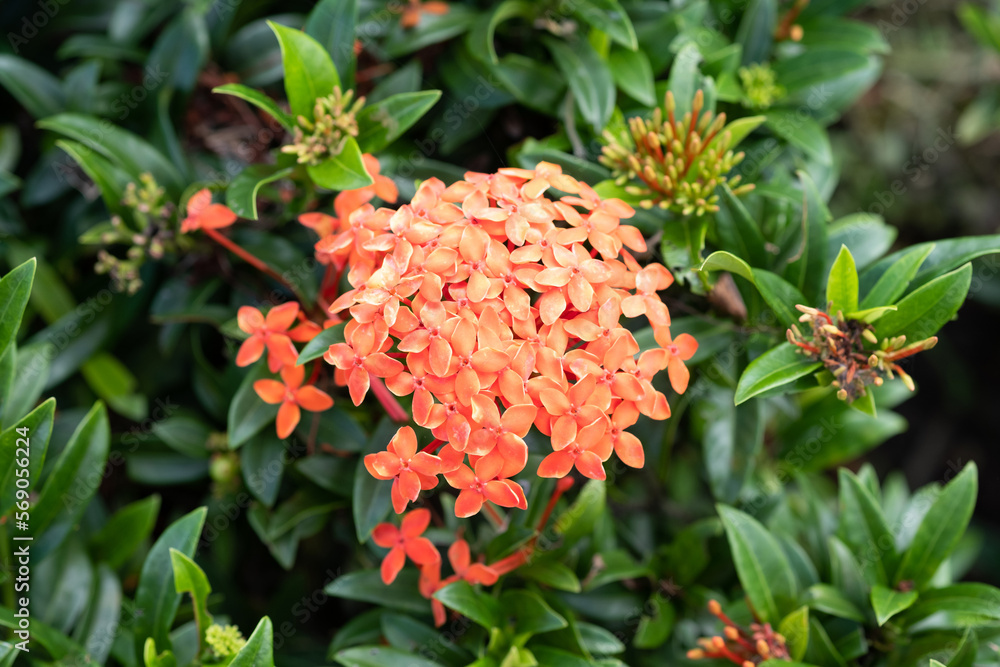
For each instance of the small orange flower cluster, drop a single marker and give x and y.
(498, 308)
(739, 646)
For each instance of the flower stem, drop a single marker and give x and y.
(248, 257)
(389, 402)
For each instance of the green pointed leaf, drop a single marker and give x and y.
(463, 598)
(720, 260)
(870, 315)
(795, 629)
(332, 23)
(367, 586)
(371, 499)
(531, 614)
(764, 572)
(634, 75)
(127, 151)
(737, 228)
(842, 283)
(481, 38)
(73, 482)
(259, 100)
(865, 529)
(973, 603)
(247, 413)
(156, 595)
(125, 532)
(381, 656)
(241, 195)
(382, 123)
(15, 289)
(40, 93)
(776, 367)
(344, 171)
(893, 282)
(803, 132)
(923, 312)
(807, 271)
(829, 600)
(38, 426)
(887, 602)
(609, 17)
(941, 529)
(588, 77)
(108, 178)
(191, 579)
(309, 70)
(259, 649)
(756, 30)
(780, 295)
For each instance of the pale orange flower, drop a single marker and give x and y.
(203, 214)
(405, 541)
(409, 470)
(292, 395)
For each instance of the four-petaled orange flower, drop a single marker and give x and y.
(676, 351)
(409, 470)
(203, 214)
(481, 485)
(405, 541)
(292, 395)
(272, 333)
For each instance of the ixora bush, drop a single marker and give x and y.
(585, 405)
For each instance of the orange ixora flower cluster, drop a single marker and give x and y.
(497, 308)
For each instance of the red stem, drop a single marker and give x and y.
(246, 256)
(389, 402)
(434, 446)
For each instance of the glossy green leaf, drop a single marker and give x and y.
(739, 232)
(607, 16)
(133, 154)
(531, 614)
(764, 572)
(732, 438)
(588, 77)
(259, 100)
(821, 649)
(865, 234)
(808, 268)
(887, 602)
(869, 315)
(579, 519)
(247, 413)
(108, 178)
(371, 499)
(864, 528)
(655, 626)
(344, 171)
(755, 33)
(39, 92)
(77, 473)
(258, 651)
(941, 529)
(975, 603)
(191, 579)
(332, 23)
(817, 66)
(780, 295)
(842, 283)
(921, 313)
(480, 607)
(795, 629)
(102, 618)
(30, 377)
(15, 289)
(382, 123)
(309, 70)
(155, 594)
(893, 282)
(115, 384)
(38, 426)
(803, 132)
(126, 530)
(776, 367)
(685, 79)
(241, 195)
(551, 573)
(829, 600)
(262, 464)
(720, 260)
(633, 75)
(482, 36)
(380, 656)
(367, 586)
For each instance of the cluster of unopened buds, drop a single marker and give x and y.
(738, 645)
(334, 120)
(851, 351)
(679, 162)
(760, 85)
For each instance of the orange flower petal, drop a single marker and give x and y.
(288, 419)
(392, 564)
(270, 391)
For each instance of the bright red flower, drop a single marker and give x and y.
(292, 395)
(405, 541)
